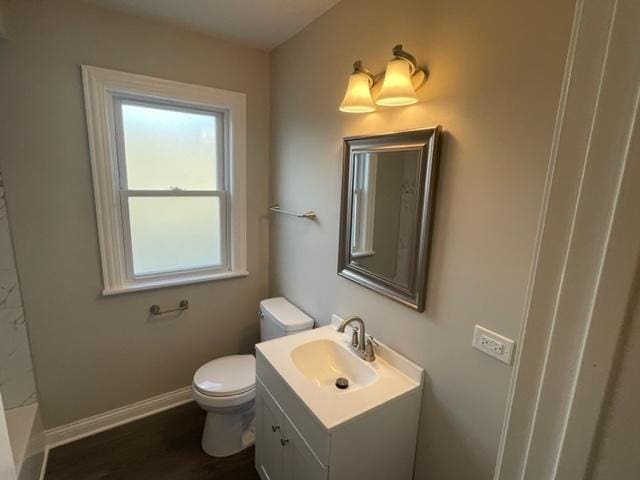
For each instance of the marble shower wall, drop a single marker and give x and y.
(17, 383)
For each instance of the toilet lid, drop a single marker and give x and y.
(225, 376)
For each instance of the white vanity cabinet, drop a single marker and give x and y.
(293, 443)
(282, 453)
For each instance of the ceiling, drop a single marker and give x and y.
(259, 23)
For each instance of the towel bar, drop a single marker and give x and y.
(310, 215)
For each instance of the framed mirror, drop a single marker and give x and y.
(388, 192)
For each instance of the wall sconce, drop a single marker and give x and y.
(399, 84)
(358, 99)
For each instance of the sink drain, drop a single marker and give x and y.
(342, 383)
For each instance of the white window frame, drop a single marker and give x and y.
(103, 88)
(364, 199)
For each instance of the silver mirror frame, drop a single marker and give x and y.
(427, 142)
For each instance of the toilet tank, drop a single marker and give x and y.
(279, 317)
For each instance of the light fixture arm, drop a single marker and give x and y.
(358, 68)
(401, 54)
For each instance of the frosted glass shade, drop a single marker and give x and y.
(358, 97)
(397, 88)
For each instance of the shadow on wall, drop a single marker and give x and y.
(461, 450)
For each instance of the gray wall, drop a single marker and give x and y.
(615, 454)
(93, 354)
(495, 75)
(17, 384)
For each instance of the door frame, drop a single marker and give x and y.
(585, 261)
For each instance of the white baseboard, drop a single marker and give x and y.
(105, 421)
(43, 467)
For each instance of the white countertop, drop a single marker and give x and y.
(396, 376)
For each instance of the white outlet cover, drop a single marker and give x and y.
(508, 345)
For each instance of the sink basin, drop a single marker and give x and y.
(323, 361)
(310, 362)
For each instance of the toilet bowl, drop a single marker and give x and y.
(226, 387)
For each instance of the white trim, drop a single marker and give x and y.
(583, 269)
(43, 466)
(364, 213)
(101, 86)
(114, 418)
(7, 465)
(21, 422)
(365, 253)
(171, 282)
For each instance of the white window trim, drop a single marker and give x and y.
(100, 87)
(362, 235)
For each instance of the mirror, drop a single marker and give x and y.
(388, 189)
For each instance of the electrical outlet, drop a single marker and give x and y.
(493, 344)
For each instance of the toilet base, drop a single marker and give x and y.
(226, 434)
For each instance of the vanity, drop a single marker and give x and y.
(308, 428)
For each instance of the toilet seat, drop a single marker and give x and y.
(231, 376)
(211, 403)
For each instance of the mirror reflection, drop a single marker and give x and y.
(388, 185)
(384, 209)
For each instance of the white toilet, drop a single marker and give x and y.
(226, 387)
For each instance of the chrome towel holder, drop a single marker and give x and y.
(155, 309)
(310, 215)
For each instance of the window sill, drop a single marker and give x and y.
(365, 253)
(155, 283)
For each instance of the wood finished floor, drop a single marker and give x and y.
(163, 446)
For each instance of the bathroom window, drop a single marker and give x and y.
(168, 166)
(364, 204)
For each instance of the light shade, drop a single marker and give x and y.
(358, 97)
(397, 88)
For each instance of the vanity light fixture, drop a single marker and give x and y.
(358, 99)
(399, 84)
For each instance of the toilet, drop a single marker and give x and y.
(226, 386)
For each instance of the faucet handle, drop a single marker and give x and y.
(354, 337)
(369, 348)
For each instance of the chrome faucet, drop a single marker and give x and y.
(361, 344)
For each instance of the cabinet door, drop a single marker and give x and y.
(269, 430)
(299, 461)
